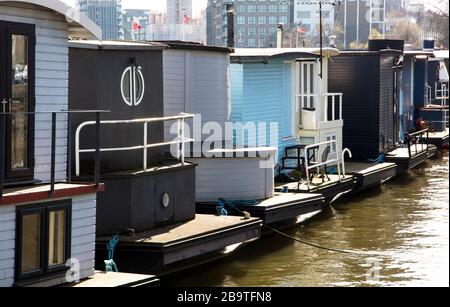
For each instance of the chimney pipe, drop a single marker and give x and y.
(230, 25)
(280, 35)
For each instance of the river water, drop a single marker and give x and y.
(400, 232)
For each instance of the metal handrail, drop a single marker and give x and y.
(346, 150)
(3, 117)
(180, 140)
(337, 160)
(418, 138)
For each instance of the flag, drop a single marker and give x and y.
(136, 26)
(301, 30)
(186, 19)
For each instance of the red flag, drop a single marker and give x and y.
(136, 26)
(186, 19)
(301, 30)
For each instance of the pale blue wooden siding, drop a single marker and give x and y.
(263, 93)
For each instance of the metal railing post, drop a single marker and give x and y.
(182, 142)
(145, 146)
(346, 150)
(97, 149)
(2, 151)
(340, 106)
(333, 108)
(53, 155)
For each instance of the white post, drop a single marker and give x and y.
(333, 108)
(145, 145)
(340, 106)
(182, 142)
(178, 137)
(325, 115)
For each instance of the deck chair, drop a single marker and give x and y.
(322, 171)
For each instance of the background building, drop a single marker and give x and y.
(255, 21)
(135, 23)
(177, 9)
(105, 13)
(307, 15)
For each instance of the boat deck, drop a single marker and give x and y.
(369, 174)
(439, 139)
(152, 251)
(282, 207)
(404, 161)
(116, 280)
(331, 190)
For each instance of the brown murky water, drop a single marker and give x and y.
(404, 225)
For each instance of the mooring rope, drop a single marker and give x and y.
(335, 250)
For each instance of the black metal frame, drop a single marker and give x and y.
(3, 137)
(417, 138)
(44, 210)
(7, 29)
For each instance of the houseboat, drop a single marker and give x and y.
(287, 88)
(150, 200)
(47, 222)
(371, 82)
(229, 179)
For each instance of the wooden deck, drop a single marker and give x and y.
(404, 161)
(34, 193)
(331, 190)
(177, 247)
(116, 280)
(439, 139)
(369, 175)
(282, 207)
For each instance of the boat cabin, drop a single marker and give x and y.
(47, 222)
(286, 90)
(150, 200)
(371, 82)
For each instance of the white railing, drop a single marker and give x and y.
(441, 92)
(336, 104)
(179, 140)
(318, 164)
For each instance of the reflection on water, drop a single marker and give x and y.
(403, 225)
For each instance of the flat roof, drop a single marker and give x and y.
(418, 52)
(370, 52)
(116, 45)
(283, 52)
(80, 26)
(186, 45)
(443, 54)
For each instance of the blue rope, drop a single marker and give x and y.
(222, 203)
(110, 265)
(380, 159)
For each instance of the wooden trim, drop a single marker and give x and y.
(45, 195)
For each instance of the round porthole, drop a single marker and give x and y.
(166, 200)
(132, 85)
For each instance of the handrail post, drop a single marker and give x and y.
(182, 142)
(307, 168)
(325, 115)
(69, 150)
(53, 155)
(333, 107)
(145, 146)
(340, 106)
(178, 137)
(409, 146)
(2, 151)
(97, 149)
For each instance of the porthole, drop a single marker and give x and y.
(132, 85)
(166, 200)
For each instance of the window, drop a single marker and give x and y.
(303, 15)
(262, 20)
(42, 239)
(241, 20)
(262, 8)
(306, 78)
(283, 20)
(273, 20)
(251, 20)
(284, 8)
(262, 32)
(241, 8)
(273, 8)
(251, 31)
(132, 85)
(251, 42)
(251, 8)
(332, 137)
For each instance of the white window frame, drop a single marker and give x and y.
(332, 137)
(134, 72)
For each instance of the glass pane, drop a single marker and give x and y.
(139, 86)
(57, 238)
(19, 102)
(31, 242)
(126, 86)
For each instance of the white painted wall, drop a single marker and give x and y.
(51, 81)
(235, 178)
(83, 239)
(197, 82)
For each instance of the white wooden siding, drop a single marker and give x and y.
(51, 81)
(82, 241)
(232, 179)
(197, 82)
